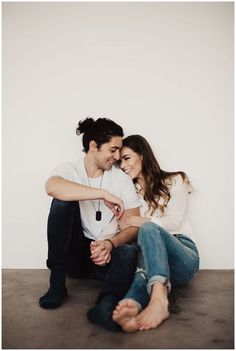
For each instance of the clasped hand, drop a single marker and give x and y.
(100, 252)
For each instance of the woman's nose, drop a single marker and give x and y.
(122, 164)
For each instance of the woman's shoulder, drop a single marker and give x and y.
(172, 180)
(178, 181)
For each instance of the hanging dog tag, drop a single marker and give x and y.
(98, 215)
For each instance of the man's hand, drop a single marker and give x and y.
(100, 252)
(115, 204)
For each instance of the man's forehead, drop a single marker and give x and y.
(115, 142)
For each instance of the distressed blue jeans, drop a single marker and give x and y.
(170, 259)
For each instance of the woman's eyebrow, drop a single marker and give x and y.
(124, 155)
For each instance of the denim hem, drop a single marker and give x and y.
(137, 303)
(161, 279)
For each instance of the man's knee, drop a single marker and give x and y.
(126, 252)
(62, 206)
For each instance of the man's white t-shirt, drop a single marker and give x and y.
(115, 181)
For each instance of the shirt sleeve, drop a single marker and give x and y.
(66, 171)
(175, 211)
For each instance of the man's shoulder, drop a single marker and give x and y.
(117, 172)
(120, 181)
(69, 169)
(67, 165)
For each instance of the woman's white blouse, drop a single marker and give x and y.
(173, 219)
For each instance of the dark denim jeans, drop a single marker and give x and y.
(70, 249)
(166, 258)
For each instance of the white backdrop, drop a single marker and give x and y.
(163, 70)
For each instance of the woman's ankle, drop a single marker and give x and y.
(159, 293)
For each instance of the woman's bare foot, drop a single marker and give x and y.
(125, 315)
(153, 315)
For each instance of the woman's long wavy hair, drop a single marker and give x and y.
(156, 180)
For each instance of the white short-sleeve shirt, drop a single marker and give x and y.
(115, 181)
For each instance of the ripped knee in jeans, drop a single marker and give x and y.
(142, 272)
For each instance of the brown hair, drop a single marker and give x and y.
(156, 186)
(100, 130)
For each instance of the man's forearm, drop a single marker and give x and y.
(125, 236)
(66, 190)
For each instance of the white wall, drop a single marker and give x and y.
(163, 70)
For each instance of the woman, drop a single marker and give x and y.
(168, 255)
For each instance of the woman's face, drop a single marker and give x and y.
(131, 162)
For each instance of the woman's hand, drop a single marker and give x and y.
(127, 221)
(115, 204)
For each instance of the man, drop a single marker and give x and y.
(83, 236)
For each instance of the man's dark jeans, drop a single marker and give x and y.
(70, 249)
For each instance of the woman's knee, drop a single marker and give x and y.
(147, 231)
(185, 275)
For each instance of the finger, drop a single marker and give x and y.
(109, 258)
(119, 214)
(116, 211)
(108, 204)
(94, 258)
(97, 259)
(120, 211)
(106, 251)
(99, 247)
(103, 258)
(96, 243)
(96, 249)
(96, 254)
(99, 262)
(92, 244)
(100, 258)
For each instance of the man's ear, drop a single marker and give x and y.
(92, 145)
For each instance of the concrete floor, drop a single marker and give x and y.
(205, 320)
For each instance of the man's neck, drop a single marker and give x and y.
(92, 170)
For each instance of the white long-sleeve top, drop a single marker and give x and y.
(173, 219)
